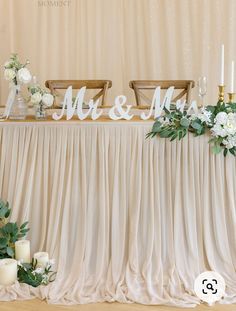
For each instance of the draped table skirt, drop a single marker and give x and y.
(127, 219)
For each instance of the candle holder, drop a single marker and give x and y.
(221, 93)
(231, 98)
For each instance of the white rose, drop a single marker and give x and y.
(230, 142)
(36, 98)
(218, 130)
(9, 74)
(24, 75)
(221, 118)
(230, 125)
(47, 99)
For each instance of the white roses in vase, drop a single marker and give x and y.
(40, 96)
(16, 72)
(41, 99)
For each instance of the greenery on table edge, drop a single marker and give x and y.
(10, 232)
(219, 120)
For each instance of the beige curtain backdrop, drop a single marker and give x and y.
(119, 39)
(126, 218)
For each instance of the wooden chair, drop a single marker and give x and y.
(184, 86)
(101, 85)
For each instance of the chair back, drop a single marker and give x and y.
(101, 85)
(183, 88)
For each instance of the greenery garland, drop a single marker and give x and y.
(219, 120)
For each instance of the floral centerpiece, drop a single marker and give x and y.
(41, 99)
(219, 121)
(17, 74)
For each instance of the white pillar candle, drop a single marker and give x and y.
(22, 250)
(8, 271)
(222, 64)
(232, 78)
(42, 259)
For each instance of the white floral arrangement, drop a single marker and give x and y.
(219, 120)
(40, 97)
(224, 129)
(15, 72)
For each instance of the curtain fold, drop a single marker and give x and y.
(127, 219)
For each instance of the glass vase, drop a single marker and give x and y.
(19, 107)
(40, 112)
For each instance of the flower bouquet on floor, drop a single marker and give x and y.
(41, 99)
(15, 262)
(17, 74)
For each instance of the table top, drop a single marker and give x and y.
(103, 119)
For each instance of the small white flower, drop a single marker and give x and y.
(36, 98)
(230, 142)
(221, 118)
(19, 262)
(39, 270)
(204, 116)
(9, 74)
(45, 279)
(47, 99)
(193, 117)
(24, 75)
(164, 121)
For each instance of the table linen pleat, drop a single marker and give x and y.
(127, 219)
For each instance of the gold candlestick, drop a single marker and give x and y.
(221, 93)
(231, 98)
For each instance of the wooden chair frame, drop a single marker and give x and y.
(138, 85)
(103, 85)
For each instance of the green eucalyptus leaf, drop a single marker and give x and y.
(10, 252)
(3, 242)
(180, 134)
(24, 225)
(165, 134)
(156, 126)
(212, 140)
(185, 122)
(174, 136)
(216, 149)
(196, 125)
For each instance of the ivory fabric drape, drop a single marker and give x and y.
(127, 219)
(120, 40)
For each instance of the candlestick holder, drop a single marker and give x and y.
(231, 98)
(221, 93)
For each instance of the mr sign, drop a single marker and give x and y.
(120, 110)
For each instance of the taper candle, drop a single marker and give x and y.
(222, 64)
(42, 259)
(22, 250)
(8, 271)
(232, 78)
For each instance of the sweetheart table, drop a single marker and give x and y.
(127, 219)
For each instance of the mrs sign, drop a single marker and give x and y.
(120, 110)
